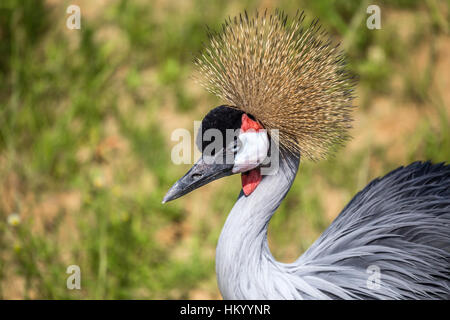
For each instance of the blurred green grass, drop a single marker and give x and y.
(85, 123)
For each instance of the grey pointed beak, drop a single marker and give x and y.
(201, 173)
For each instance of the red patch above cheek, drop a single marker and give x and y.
(248, 124)
(250, 180)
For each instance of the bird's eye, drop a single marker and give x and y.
(236, 145)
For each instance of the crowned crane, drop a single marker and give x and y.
(288, 93)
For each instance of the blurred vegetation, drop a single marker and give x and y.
(86, 118)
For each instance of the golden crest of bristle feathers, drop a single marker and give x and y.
(288, 76)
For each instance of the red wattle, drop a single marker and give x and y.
(250, 180)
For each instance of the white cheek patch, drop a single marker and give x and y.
(253, 151)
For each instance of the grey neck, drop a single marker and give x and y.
(244, 265)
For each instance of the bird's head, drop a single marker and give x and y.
(279, 75)
(239, 144)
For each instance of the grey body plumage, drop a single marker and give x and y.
(399, 223)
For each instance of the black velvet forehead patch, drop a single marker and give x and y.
(220, 118)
